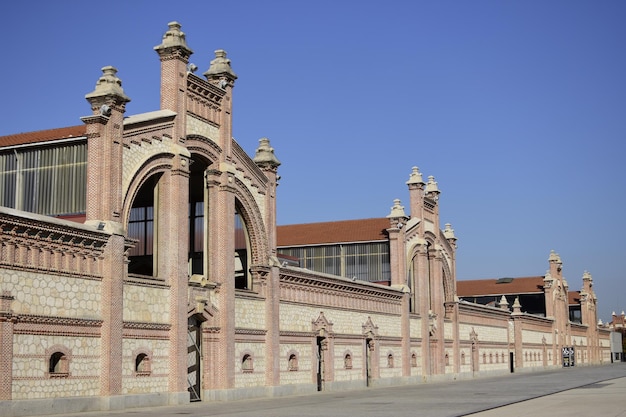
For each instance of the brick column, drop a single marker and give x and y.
(267, 161)
(172, 264)
(221, 249)
(112, 316)
(7, 321)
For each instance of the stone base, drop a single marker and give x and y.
(68, 405)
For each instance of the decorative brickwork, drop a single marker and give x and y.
(74, 323)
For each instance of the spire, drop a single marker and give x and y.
(174, 42)
(397, 210)
(264, 156)
(431, 186)
(554, 257)
(415, 178)
(504, 304)
(517, 307)
(108, 88)
(448, 232)
(220, 69)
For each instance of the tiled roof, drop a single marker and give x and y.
(479, 287)
(43, 135)
(364, 230)
(573, 297)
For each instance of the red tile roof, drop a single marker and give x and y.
(363, 230)
(43, 135)
(573, 297)
(480, 287)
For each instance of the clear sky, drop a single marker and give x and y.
(518, 108)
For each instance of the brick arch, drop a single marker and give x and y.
(159, 164)
(251, 214)
(203, 146)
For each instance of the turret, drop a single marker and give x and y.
(174, 55)
(416, 193)
(104, 159)
(397, 220)
(221, 75)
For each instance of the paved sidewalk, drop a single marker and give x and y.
(606, 399)
(581, 391)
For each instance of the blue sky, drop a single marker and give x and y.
(516, 107)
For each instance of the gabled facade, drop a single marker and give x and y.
(161, 281)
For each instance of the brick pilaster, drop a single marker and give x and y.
(7, 321)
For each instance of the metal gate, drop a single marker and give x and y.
(194, 370)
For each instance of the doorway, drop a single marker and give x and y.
(194, 357)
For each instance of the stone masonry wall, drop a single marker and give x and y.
(31, 376)
(38, 293)
(146, 304)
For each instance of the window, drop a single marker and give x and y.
(246, 364)
(196, 237)
(413, 360)
(390, 360)
(365, 261)
(58, 365)
(45, 180)
(447, 359)
(142, 365)
(141, 228)
(293, 362)
(242, 253)
(347, 361)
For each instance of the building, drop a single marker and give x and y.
(618, 337)
(530, 292)
(139, 266)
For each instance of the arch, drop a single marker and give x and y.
(390, 360)
(141, 226)
(347, 360)
(413, 360)
(143, 362)
(58, 358)
(247, 363)
(254, 220)
(292, 361)
(157, 164)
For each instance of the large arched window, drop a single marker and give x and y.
(242, 253)
(141, 227)
(197, 209)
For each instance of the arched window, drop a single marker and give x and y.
(293, 362)
(447, 359)
(491, 358)
(141, 227)
(58, 364)
(484, 358)
(246, 364)
(462, 358)
(242, 253)
(347, 361)
(142, 365)
(413, 360)
(390, 360)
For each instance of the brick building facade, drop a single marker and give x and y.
(168, 287)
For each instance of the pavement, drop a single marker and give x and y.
(587, 391)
